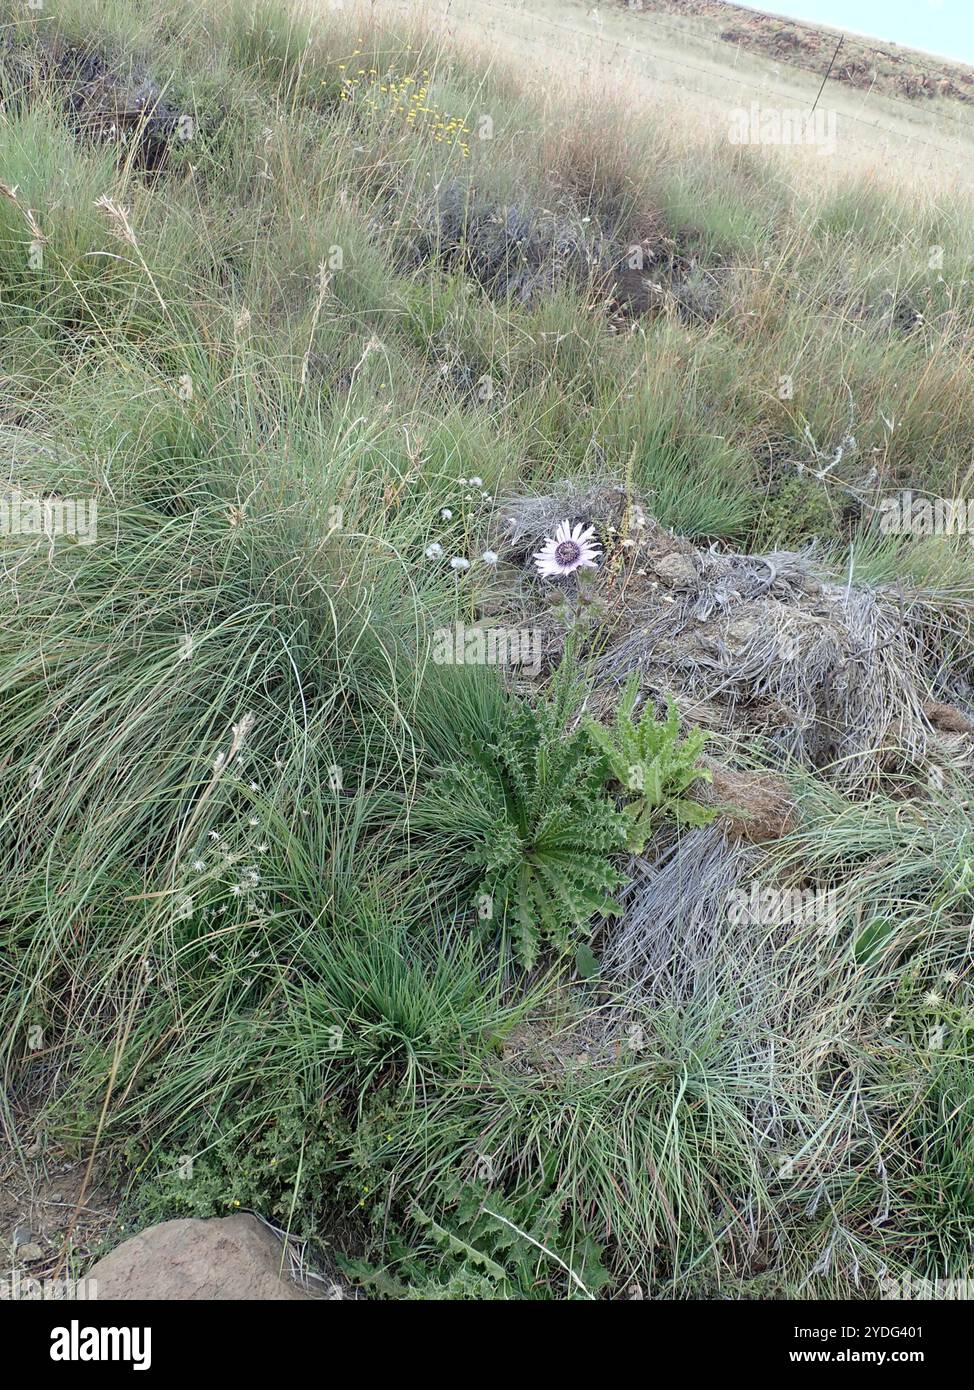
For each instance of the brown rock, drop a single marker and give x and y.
(225, 1257)
(947, 718)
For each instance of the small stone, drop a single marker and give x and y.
(678, 571)
(29, 1252)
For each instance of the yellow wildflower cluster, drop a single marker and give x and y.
(407, 96)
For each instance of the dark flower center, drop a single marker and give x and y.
(568, 552)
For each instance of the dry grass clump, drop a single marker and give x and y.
(105, 98)
(523, 252)
(664, 946)
(512, 251)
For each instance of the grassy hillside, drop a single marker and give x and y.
(335, 323)
(866, 64)
(898, 121)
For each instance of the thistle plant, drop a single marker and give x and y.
(652, 764)
(540, 827)
(548, 869)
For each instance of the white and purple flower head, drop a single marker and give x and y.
(571, 549)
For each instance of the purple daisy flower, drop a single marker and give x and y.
(571, 549)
